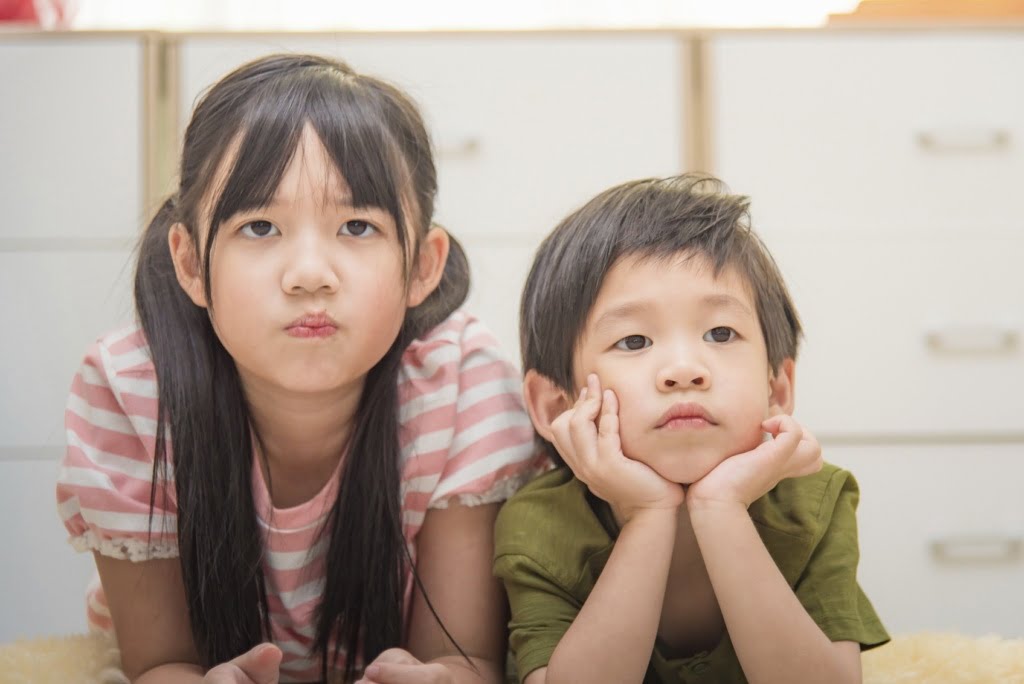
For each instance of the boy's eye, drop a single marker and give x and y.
(357, 228)
(633, 343)
(719, 334)
(259, 229)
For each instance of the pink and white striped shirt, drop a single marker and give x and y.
(464, 436)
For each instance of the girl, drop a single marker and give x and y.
(302, 443)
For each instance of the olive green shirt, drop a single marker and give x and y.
(553, 538)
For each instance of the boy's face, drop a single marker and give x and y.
(684, 353)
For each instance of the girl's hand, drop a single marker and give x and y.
(398, 666)
(587, 437)
(743, 478)
(259, 665)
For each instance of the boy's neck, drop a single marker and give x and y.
(302, 437)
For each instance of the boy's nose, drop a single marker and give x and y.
(685, 375)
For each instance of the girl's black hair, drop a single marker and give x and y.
(254, 117)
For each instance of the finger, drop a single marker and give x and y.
(583, 426)
(561, 437)
(261, 664)
(396, 673)
(396, 655)
(609, 445)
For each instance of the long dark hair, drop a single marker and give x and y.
(376, 139)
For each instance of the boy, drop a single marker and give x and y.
(680, 551)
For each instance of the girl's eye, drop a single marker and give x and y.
(720, 334)
(357, 228)
(259, 229)
(633, 343)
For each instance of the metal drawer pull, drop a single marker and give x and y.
(972, 340)
(964, 140)
(463, 149)
(979, 549)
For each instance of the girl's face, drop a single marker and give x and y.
(309, 292)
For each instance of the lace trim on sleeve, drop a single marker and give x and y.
(498, 493)
(135, 550)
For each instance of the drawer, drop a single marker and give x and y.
(44, 578)
(871, 134)
(941, 535)
(526, 127)
(499, 269)
(908, 336)
(71, 166)
(75, 298)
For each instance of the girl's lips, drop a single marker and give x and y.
(317, 324)
(312, 331)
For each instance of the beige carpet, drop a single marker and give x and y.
(913, 658)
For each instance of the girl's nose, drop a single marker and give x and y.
(309, 270)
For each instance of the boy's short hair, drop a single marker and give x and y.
(657, 218)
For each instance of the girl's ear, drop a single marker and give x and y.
(545, 401)
(186, 264)
(429, 266)
(782, 387)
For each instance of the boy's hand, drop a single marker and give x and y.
(587, 437)
(398, 666)
(743, 478)
(259, 665)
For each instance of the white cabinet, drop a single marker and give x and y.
(883, 170)
(526, 128)
(941, 535)
(872, 134)
(71, 185)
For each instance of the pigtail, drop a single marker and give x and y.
(448, 296)
(202, 410)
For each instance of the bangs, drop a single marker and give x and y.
(346, 117)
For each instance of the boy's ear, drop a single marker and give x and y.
(545, 401)
(186, 263)
(429, 266)
(781, 388)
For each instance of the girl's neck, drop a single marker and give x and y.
(302, 437)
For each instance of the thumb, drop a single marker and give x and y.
(261, 664)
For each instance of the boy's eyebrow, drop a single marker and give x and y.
(726, 301)
(620, 311)
(630, 309)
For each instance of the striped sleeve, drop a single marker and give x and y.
(465, 432)
(105, 479)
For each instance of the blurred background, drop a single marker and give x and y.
(883, 152)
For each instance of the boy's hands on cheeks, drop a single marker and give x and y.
(587, 437)
(398, 666)
(743, 478)
(259, 665)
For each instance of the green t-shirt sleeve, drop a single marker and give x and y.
(828, 587)
(542, 610)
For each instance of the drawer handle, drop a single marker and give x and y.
(977, 549)
(972, 340)
(463, 149)
(960, 141)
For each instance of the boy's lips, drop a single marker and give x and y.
(687, 414)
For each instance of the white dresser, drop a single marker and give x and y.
(885, 171)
